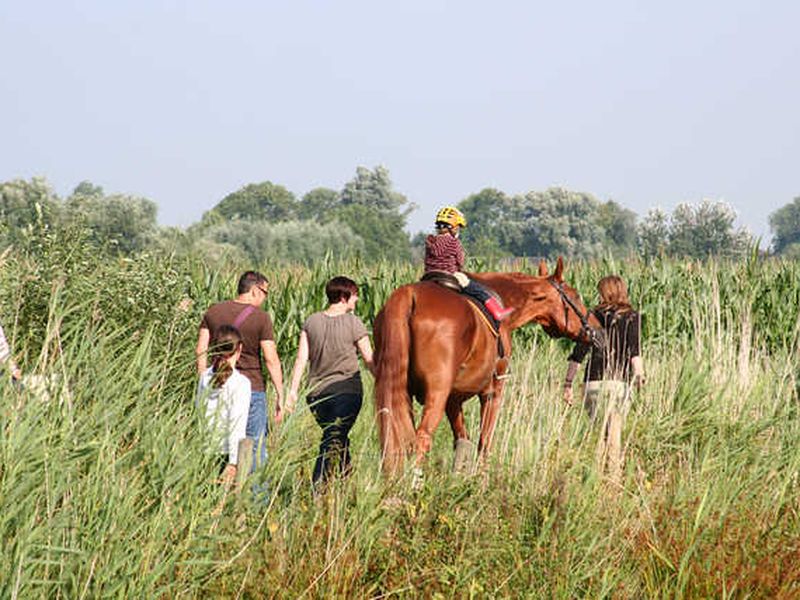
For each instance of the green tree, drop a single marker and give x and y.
(488, 215)
(373, 189)
(706, 229)
(319, 204)
(87, 188)
(27, 207)
(653, 233)
(288, 241)
(374, 211)
(383, 232)
(255, 202)
(556, 222)
(123, 224)
(785, 226)
(619, 224)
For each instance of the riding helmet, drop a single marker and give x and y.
(450, 216)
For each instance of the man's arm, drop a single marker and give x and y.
(270, 352)
(200, 351)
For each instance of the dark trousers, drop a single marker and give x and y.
(336, 415)
(476, 290)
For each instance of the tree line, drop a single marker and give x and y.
(368, 218)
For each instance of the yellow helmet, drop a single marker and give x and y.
(451, 216)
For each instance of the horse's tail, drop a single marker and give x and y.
(392, 358)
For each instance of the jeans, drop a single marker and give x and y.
(477, 291)
(336, 415)
(257, 428)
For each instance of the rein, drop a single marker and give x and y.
(586, 329)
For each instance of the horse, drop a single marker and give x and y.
(433, 344)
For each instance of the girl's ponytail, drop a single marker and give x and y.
(225, 344)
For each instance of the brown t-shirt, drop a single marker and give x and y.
(255, 328)
(332, 353)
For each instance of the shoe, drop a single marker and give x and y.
(496, 309)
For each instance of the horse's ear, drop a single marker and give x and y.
(542, 268)
(558, 275)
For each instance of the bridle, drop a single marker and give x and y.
(594, 336)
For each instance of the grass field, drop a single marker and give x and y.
(107, 490)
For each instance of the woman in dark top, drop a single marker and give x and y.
(611, 368)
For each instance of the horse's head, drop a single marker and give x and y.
(558, 308)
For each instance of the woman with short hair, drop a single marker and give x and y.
(330, 343)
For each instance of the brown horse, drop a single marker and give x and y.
(433, 345)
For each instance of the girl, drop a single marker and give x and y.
(226, 393)
(444, 253)
(611, 368)
(5, 357)
(330, 342)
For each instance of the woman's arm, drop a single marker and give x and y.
(572, 370)
(297, 372)
(637, 365)
(634, 348)
(365, 349)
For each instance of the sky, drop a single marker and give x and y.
(649, 104)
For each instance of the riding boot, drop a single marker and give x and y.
(497, 310)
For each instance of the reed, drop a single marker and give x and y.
(106, 488)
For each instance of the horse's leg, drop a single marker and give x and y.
(432, 413)
(490, 408)
(462, 445)
(455, 414)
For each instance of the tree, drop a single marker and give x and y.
(87, 188)
(619, 225)
(123, 224)
(26, 207)
(371, 208)
(383, 232)
(694, 231)
(653, 233)
(318, 204)
(372, 189)
(785, 226)
(255, 202)
(556, 222)
(706, 229)
(488, 213)
(288, 241)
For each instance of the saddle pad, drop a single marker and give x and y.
(493, 325)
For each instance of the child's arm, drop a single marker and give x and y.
(460, 255)
(240, 406)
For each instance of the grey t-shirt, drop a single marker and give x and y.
(332, 353)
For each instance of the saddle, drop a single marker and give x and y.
(446, 280)
(443, 279)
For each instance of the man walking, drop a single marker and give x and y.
(255, 325)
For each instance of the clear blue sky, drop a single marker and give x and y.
(650, 104)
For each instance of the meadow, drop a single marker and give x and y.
(106, 489)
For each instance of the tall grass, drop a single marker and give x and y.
(107, 490)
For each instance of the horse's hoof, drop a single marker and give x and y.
(462, 458)
(417, 479)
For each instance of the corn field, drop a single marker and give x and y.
(107, 490)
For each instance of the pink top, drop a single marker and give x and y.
(443, 253)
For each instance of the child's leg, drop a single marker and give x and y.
(479, 292)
